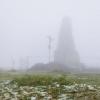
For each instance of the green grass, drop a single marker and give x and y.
(48, 78)
(42, 80)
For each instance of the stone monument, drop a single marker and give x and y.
(66, 52)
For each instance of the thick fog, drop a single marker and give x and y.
(26, 24)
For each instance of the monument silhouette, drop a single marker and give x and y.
(66, 52)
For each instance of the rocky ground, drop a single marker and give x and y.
(9, 90)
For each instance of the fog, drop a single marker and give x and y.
(26, 24)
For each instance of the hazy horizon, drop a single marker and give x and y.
(26, 24)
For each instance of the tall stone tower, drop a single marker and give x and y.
(66, 53)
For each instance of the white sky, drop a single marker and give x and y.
(25, 25)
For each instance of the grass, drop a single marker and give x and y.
(48, 78)
(48, 82)
(42, 80)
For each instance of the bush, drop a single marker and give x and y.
(35, 80)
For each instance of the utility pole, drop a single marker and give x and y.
(27, 62)
(49, 47)
(13, 64)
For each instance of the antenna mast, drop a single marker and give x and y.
(49, 47)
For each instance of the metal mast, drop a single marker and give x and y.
(49, 47)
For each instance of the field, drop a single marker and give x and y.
(49, 86)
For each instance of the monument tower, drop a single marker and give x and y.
(66, 53)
